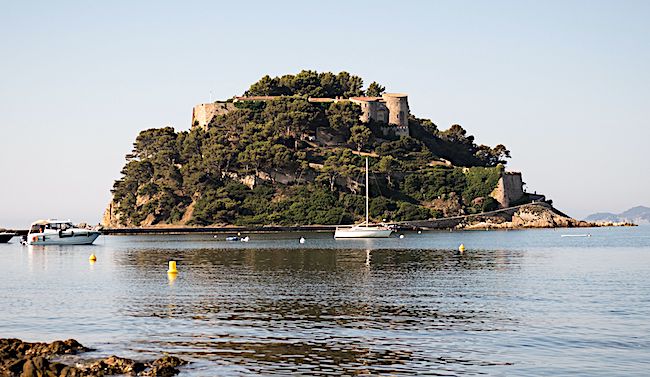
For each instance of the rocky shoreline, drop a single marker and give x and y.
(531, 216)
(25, 359)
(527, 216)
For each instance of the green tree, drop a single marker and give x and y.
(360, 136)
(330, 85)
(350, 85)
(408, 212)
(499, 154)
(375, 90)
(386, 165)
(254, 155)
(457, 134)
(267, 86)
(215, 206)
(218, 156)
(342, 116)
(341, 164)
(492, 156)
(308, 84)
(156, 144)
(293, 116)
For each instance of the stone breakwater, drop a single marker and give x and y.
(24, 359)
(534, 215)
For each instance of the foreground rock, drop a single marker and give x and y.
(24, 359)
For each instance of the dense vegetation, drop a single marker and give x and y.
(197, 176)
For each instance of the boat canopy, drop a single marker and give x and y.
(51, 221)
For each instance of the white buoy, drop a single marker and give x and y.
(419, 232)
(401, 236)
(302, 239)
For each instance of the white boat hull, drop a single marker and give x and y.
(362, 232)
(71, 238)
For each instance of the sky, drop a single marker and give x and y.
(565, 85)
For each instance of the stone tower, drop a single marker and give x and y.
(203, 113)
(398, 112)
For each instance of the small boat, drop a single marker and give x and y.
(365, 230)
(59, 232)
(233, 238)
(576, 235)
(5, 237)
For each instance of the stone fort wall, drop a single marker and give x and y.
(390, 108)
(203, 113)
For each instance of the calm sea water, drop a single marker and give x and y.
(515, 303)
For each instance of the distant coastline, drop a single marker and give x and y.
(639, 215)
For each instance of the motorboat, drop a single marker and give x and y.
(59, 232)
(5, 237)
(364, 230)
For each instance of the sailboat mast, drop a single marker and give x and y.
(367, 222)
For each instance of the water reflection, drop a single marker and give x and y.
(284, 311)
(321, 260)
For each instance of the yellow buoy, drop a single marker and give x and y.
(172, 267)
(92, 258)
(461, 248)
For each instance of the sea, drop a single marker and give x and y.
(541, 302)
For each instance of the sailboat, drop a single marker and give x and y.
(364, 230)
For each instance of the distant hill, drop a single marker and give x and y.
(637, 215)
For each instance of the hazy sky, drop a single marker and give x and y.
(565, 85)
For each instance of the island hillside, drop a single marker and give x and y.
(291, 151)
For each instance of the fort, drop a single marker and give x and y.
(392, 109)
(389, 109)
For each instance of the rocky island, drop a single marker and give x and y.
(290, 151)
